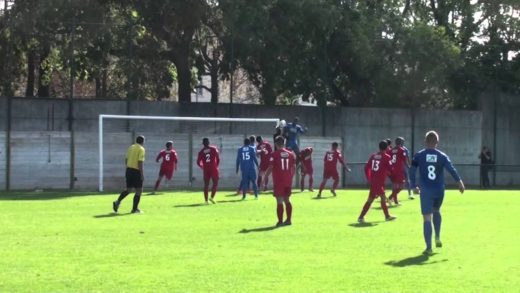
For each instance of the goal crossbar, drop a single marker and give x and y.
(171, 118)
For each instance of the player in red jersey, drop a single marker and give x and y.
(331, 159)
(168, 164)
(264, 150)
(389, 146)
(208, 160)
(400, 161)
(283, 166)
(306, 160)
(377, 169)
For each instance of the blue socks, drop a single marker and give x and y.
(427, 231)
(437, 219)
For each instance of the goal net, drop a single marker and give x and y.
(226, 134)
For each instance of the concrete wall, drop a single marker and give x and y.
(38, 122)
(3, 163)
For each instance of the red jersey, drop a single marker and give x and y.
(283, 162)
(306, 159)
(208, 158)
(399, 158)
(331, 160)
(378, 168)
(264, 150)
(169, 159)
(388, 150)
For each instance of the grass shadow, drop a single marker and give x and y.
(231, 194)
(230, 201)
(418, 260)
(321, 198)
(110, 215)
(363, 225)
(261, 229)
(46, 195)
(193, 205)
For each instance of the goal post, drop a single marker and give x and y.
(102, 117)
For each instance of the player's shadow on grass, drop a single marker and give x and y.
(230, 201)
(418, 260)
(192, 205)
(363, 225)
(111, 215)
(323, 197)
(260, 229)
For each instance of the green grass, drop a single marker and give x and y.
(58, 242)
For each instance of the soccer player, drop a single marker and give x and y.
(283, 165)
(331, 159)
(306, 160)
(291, 132)
(279, 129)
(134, 174)
(399, 161)
(209, 160)
(407, 172)
(265, 150)
(252, 139)
(377, 168)
(389, 146)
(431, 163)
(168, 164)
(246, 160)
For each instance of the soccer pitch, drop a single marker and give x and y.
(59, 242)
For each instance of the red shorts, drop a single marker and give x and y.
(398, 178)
(263, 166)
(376, 191)
(168, 173)
(330, 174)
(307, 170)
(282, 190)
(211, 174)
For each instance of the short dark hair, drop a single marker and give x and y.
(247, 141)
(388, 142)
(252, 139)
(383, 145)
(205, 141)
(169, 143)
(399, 140)
(279, 141)
(335, 145)
(140, 139)
(259, 139)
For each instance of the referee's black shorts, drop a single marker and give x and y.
(133, 178)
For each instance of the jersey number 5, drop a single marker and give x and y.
(330, 157)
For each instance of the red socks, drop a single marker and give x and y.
(279, 212)
(366, 207)
(288, 209)
(385, 208)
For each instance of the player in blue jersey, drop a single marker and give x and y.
(431, 163)
(247, 162)
(291, 132)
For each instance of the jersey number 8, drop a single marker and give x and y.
(431, 172)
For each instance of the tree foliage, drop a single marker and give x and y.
(395, 53)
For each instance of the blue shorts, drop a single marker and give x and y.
(246, 178)
(430, 200)
(293, 146)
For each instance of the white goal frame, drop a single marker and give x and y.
(162, 118)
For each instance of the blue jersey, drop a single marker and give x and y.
(246, 159)
(291, 131)
(431, 164)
